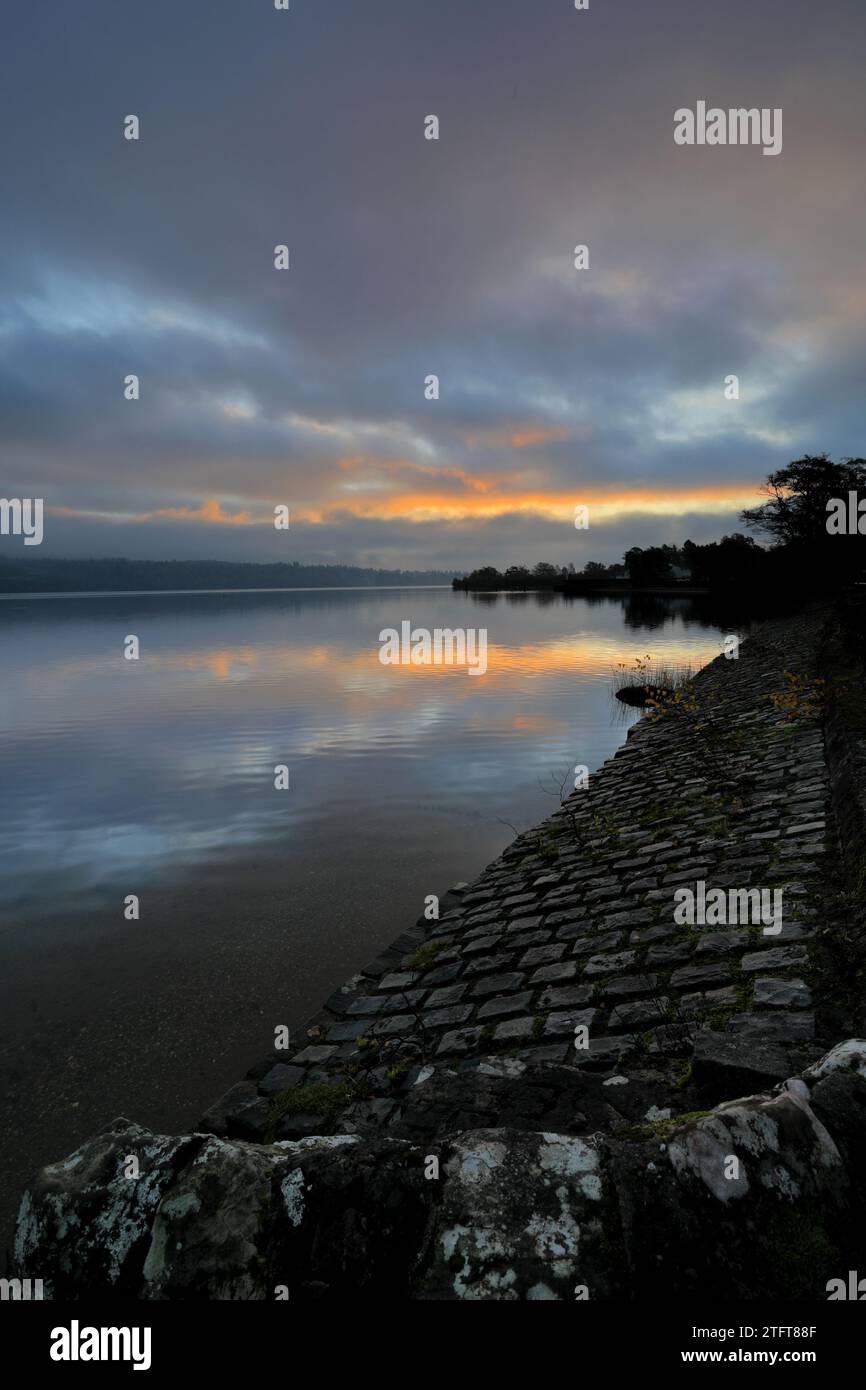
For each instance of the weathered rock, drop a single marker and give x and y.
(774, 1026)
(780, 993)
(758, 1198)
(279, 1078)
(722, 1064)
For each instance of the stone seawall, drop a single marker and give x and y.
(574, 924)
(534, 1096)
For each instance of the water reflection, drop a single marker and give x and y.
(116, 771)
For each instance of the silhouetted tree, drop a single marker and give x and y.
(649, 566)
(735, 559)
(804, 555)
(796, 511)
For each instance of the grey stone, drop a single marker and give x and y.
(711, 999)
(280, 1078)
(632, 918)
(670, 953)
(514, 1030)
(532, 938)
(720, 1061)
(347, 1032)
(566, 997)
(520, 924)
(402, 980)
(560, 1024)
(630, 985)
(542, 955)
(442, 998)
(645, 936)
(551, 974)
(775, 993)
(216, 1119)
(602, 1052)
(365, 1115)
(461, 1040)
(640, 1013)
(809, 828)
(442, 974)
(717, 943)
(368, 1004)
(299, 1126)
(312, 1056)
(607, 965)
(486, 964)
(406, 999)
(250, 1121)
(567, 919)
(507, 1004)
(483, 943)
(778, 958)
(707, 973)
(498, 984)
(399, 1025)
(575, 931)
(440, 1018)
(774, 1027)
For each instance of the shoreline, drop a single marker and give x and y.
(445, 1131)
(523, 955)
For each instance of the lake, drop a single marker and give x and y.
(155, 778)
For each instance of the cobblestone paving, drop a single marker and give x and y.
(574, 923)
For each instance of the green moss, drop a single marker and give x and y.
(661, 1129)
(537, 1026)
(718, 1019)
(684, 1076)
(426, 955)
(325, 1098)
(803, 1251)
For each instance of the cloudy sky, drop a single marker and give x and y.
(603, 387)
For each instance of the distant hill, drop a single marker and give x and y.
(40, 576)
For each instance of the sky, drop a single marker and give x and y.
(601, 387)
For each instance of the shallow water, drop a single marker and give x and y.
(156, 778)
(120, 775)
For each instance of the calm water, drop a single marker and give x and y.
(156, 778)
(120, 775)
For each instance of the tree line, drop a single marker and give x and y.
(38, 575)
(810, 538)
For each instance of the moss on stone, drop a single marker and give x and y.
(685, 1074)
(426, 955)
(325, 1098)
(660, 1129)
(803, 1251)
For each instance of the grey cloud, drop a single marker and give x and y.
(411, 257)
